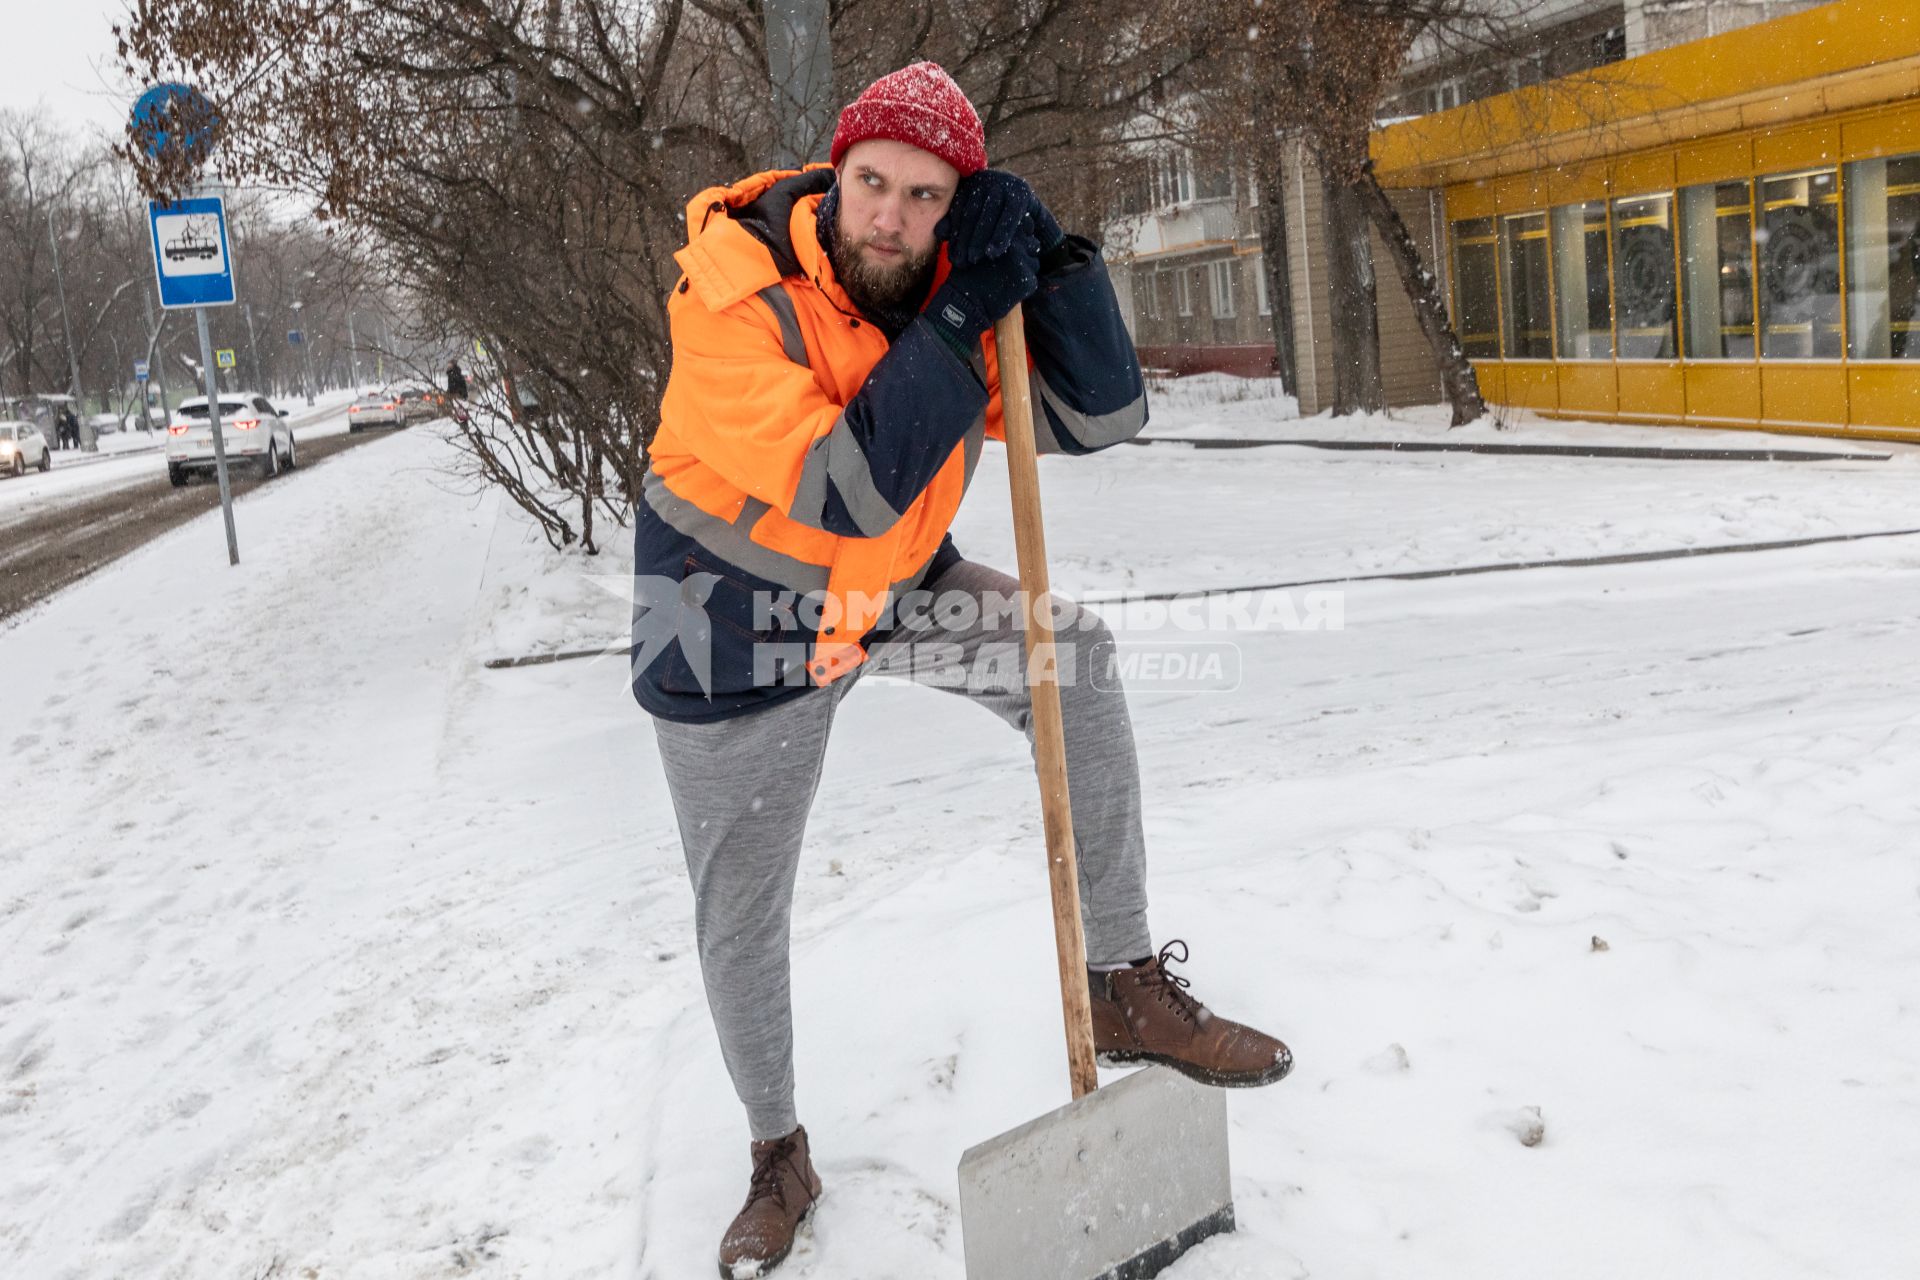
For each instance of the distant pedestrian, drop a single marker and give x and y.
(67, 428)
(456, 381)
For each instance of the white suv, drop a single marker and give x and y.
(255, 432)
(22, 446)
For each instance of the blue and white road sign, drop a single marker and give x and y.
(175, 121)
(139, 370)
(190, 257)
(295, 337)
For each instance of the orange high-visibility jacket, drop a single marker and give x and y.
(807, 466)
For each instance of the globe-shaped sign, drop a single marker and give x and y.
(173, 122)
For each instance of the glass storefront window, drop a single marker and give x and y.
(1883, 259)
(1581, 304)
(1643, 277)
(1475, 292)
(1524, 286)
(1799, 241)
(1716, 261)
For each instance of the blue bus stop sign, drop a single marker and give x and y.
(173, 120)
(191, 260)
(295, 337)
(139, 370)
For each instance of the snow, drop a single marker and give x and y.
(115, 443)
(326, 951)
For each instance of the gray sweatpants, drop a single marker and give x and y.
(742, 789)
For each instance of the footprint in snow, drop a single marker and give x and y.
(1531, 898)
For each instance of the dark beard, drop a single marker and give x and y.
(885, 293)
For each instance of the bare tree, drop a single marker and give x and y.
(74, 194)
(39, 171)
(1319, 70)
(521, 171)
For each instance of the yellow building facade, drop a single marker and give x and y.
(1723, 234)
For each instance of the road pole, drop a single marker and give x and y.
(800, 60)
(156, 361)
(73, 361)
(253, 349)
(219, 441)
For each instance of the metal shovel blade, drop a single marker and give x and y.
(1114, 1186)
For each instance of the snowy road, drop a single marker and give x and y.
(365, 961)
(85, 476)
(48, 545)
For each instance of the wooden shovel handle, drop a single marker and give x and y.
(1049, 729)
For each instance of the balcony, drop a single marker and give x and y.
(1170, 229)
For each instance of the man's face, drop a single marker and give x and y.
(892, 195)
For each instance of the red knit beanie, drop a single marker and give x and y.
(921, 106)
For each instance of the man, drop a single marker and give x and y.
(456, 381)
(834, 375)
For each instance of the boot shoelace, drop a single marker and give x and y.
(767, 1183)
(1168, 986)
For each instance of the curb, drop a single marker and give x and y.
(1649, 452)
(1467, 571)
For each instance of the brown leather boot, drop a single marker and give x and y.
(780, 1198)
(1144, 1014)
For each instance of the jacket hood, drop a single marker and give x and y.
(740, 238)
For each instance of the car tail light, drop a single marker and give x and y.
(353, 408)
(391, 405)
(244, 424)
(178, 428)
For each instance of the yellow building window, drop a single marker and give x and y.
(1582, 308)
(1643, 285)
(1524, 287)
(1716, 258)
(1799, 241)
(1476, 288)
(1883, 259)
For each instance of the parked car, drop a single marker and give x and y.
(22, 446)
(255, 432)
(104, 424)
(417, 405)
(381, 410)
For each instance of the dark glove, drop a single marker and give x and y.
(990, 208)
(974, 297)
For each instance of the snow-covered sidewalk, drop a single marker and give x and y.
(1221, 405)
(326, 951)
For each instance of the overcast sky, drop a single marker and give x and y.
(60, 53)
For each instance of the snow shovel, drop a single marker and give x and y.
(1122, 1180)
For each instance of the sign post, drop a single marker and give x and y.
(253, 351)
(194, 269)
(298, 338)
(191, 259)
(140, 376)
